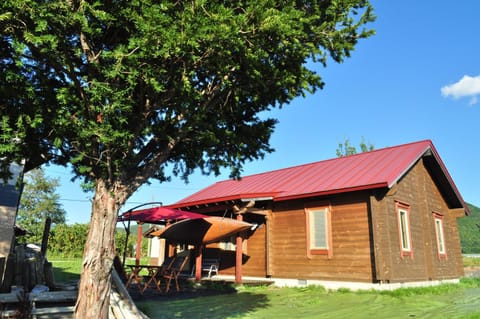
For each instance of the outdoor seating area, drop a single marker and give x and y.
(160, 278)
(181, 231)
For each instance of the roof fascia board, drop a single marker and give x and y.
(449, 178)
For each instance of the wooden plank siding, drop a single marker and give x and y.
(254, 255)
(255, 250)
(418, 190)
(351, 259)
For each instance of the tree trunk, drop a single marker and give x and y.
(95, 283)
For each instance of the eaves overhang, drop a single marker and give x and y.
(223, 199)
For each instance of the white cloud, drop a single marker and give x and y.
(467, 86)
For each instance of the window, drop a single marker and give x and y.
(438, 219)
(318, 231)
(403, 213)
(229, 243)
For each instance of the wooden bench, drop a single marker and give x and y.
(209, 265)
(49, 304)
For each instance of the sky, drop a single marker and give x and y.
(418, 78)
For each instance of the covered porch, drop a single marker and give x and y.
(184, 233)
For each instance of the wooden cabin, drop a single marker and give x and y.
(388, 216)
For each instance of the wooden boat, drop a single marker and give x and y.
(202, 230)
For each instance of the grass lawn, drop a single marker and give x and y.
(66, 270)
(446, 301)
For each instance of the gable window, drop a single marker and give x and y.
(319, 235)
(403, 215)
(438, 220)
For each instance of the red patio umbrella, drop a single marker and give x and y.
(157, 215)
(153, 215)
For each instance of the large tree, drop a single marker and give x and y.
(130, 90)
(38, 202)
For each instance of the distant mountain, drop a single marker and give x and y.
(469, 231)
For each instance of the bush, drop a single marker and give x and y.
(68, 241)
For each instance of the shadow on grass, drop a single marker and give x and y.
(219, 306)
(62, 276)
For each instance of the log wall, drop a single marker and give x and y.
(351, 259)
(419, 191)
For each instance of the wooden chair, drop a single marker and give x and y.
(134, 277)
(154, 279)
(174, 272)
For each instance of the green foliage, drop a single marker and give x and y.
(68, 241)
(345, 149)
(39, 200)
(121, 90)
(120, 236)
(469, 228)
(126, 91)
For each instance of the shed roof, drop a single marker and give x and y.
(380, 168)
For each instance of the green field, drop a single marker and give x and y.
(446, 301)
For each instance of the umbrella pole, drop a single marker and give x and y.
(128, 230)
(127, 233)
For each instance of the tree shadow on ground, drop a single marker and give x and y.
(63, 276)
(215, 306)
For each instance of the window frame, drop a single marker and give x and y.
(310, 211)
(440, 235)
(404, 229)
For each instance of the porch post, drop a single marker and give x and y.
(198, 262)
(139, 244)
(170, 251)
(239, 255)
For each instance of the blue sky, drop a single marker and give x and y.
(417, 78)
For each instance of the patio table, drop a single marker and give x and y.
(145, 281)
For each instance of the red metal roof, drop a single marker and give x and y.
(376, 169)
